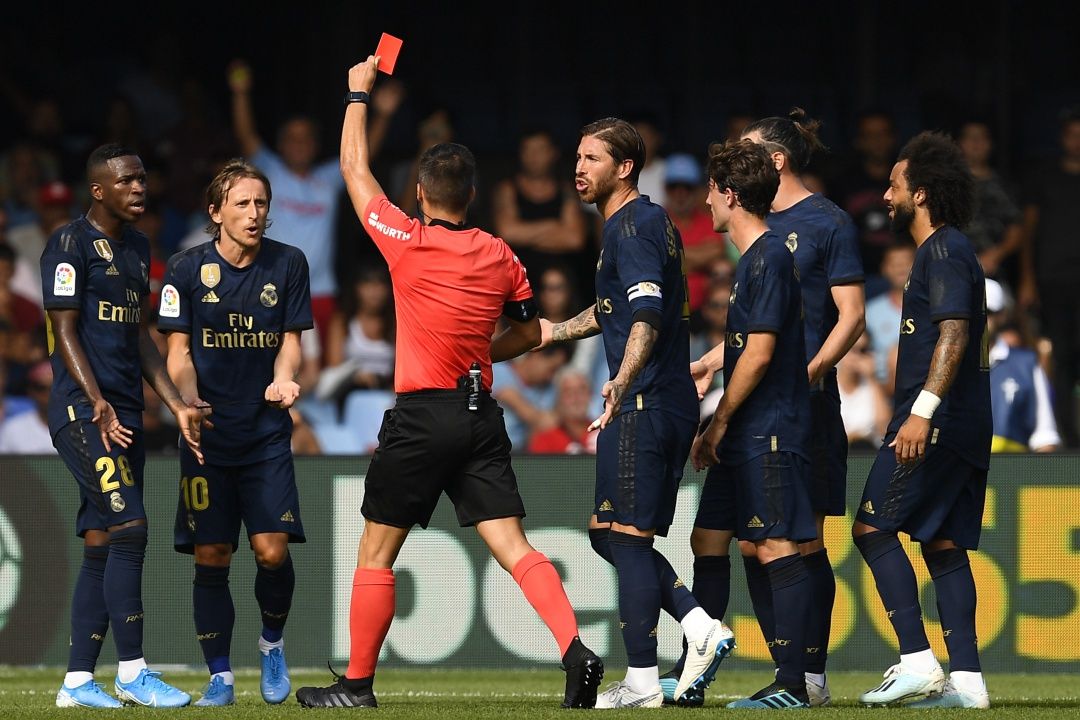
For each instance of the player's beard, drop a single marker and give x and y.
(599, 191)
(903, 216)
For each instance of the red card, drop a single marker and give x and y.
(387, 52)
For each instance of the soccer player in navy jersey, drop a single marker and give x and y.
(650, 411)
(234, 308)
(929, 478)
(94, 277)
(758, 440)
(824, 241)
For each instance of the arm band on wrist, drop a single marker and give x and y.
(356, 96)
(925, 405)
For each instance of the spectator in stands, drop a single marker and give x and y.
(537, 212)
(1051, 265)
(860, 189)
(22, 173)
(997, 230)
(571, 434)
(712, 320)
(556, 295)
(28, 433)
(883, 312)
(702, 246)
(651, 179)
(524, 389)
(22, 313)
(1019, 389)
(53, 205)
(436, 127)
(863, 404)
(359, 350)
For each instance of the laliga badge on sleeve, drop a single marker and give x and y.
(64, 280)
(170, 302)
(387, 52)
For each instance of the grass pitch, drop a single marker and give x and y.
(523, 695)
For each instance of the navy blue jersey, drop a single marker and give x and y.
(825, 243)
(641, 268)
(766, 298)
(946, 282)
(105, 279)
(236, 318)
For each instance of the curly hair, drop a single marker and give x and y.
(746, 168)
(794, 135)
(935, 164)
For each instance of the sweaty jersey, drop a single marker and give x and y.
(766, 298)
(946, 282)
(105, 279)
(450, 285)
(641, 270)
(825, 243)
(236, 318)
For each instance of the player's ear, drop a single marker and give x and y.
(96, 191)
(919, 196)
(625, 167)
(214, 213)
(779, 161)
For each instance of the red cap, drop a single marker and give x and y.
(54, 193)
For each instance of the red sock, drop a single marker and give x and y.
(370, 612)
(543, 589)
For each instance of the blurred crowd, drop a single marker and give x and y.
(1026, 232)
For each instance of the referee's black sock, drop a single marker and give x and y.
(89, 616)
(274, 592)
(955, 588)
(897, 586)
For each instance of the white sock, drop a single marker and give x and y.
(227, 676)
(128, 670)
(265, 646)
(971, 682)
(74, 679)
(922, 661)
(696, 623)
(816, 678)
(643, 680)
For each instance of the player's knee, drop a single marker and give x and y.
(809, 548)
(271, 556)
(748, 549)
(709, 542)
(944, 561)
(219, 555)
(598, 538)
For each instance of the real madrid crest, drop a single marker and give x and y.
(210, 273)
(116, 502)
(268, 297)
(101, 246)
(792, 242)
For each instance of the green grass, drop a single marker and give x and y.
(518, 695)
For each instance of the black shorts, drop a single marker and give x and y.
(640, 458)
(214, 499)
(938, 498)
(110, 482)
(828, 456)
(765, 497)
(431, 443)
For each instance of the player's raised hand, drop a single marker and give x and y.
(190, 419)
(362, 75)
(703, 451)
(109, 426)
(388, 99)
(239, 76)
(282, 394)
(703, 378)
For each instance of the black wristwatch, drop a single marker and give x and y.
(356, 96)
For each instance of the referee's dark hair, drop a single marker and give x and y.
(623, 142)
(447, 173)
(103, 154)
(795, 136)
(747, 168)
(218, 189)
(935, 164)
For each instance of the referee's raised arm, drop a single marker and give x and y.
(355, 166)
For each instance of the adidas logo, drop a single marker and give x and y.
(210, 297)
(288, 516)
(868, 507)
(112, 270)
(606, 506)
(755, 522)
(654, 632)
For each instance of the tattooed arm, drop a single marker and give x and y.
(583, 325)
(910, 441)
(639, 346)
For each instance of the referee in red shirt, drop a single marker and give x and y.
(445, 433)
